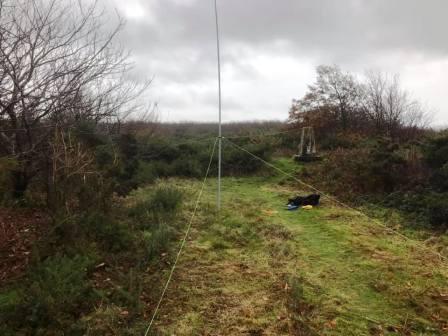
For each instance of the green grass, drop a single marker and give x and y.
(353, 277)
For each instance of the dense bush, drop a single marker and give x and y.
(156, 240)
(118, 162)
(372, 168)
(338, 141)
(166, 200)
(438, 210)
(56, 293)
(161, 206)
(238, 162)
(428, 200)
(113, 235)
(7, 166)
(59, 288)
(187, 167)
(393, 175)
(424, 206)
(146, 173)
(163, 158)
(436, 156)
(156, 217)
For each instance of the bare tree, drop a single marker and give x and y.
(59, 64)
(389, 106)
(376, 104)
(373, 102)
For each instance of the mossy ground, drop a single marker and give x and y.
(261, 270)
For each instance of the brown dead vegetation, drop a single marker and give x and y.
(20, 229)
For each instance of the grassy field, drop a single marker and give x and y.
(262, 270)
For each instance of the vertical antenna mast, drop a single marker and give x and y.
(220, 107)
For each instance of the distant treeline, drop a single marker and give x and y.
(203, 129)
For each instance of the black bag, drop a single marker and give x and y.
(312, 199)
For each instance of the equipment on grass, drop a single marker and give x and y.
(292, 207)
(312, 199)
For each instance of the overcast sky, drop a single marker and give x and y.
(270, 49)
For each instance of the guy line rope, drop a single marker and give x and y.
(187, 232)
(417, 243)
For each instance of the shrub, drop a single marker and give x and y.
(370, 169)
(166, 199)
(7, 166)
(436, 156)
(238, 162)
(439, 178)
(335, 141)
(157, 240)
(156, 215)
(436, 153)
(187, 167)
(118, 161)
(161, 206)
(146, 173)
(129, 294)
(438, 211)
(56, 294)
(424, 206)
(9, 299)
(113, 235)
(159, 150)
(165, 159)
(74, 234)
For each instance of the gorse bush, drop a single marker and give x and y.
(424, 206)
(238, 162)
(7, 167)
(63, 285)
(156, 216)
(146, 173)
(436, 156)
(163, 158)
(166, 200)
(73, 234)
(188, 167)
(337, 141)
(157, 239)
(129, 294)
(384, 172)
(372, 168)
(56, 294)
(113, 235)
(184, 160)
(436, 153)
(162, 205)
(438, 210)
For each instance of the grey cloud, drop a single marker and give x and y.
(309, 25)
(175, 41)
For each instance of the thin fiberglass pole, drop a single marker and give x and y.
(220, 107)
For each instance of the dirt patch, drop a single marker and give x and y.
(19, 229)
